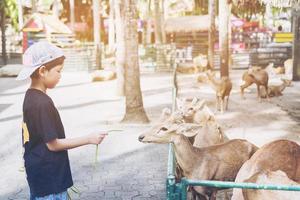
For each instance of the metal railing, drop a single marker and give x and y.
(178, 191)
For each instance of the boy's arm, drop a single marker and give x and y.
(69, 143)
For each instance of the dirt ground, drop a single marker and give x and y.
(258, 122)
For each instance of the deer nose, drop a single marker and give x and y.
(141, 137)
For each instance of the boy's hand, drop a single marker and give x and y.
(96, 138)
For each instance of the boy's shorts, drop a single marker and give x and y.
(59, 196)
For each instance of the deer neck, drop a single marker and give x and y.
(185, 153)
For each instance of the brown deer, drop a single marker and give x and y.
(281, 155)
(201, 135)
(274, 90)
(218, 162)
(259, 77)
(195, 111)
(223, 88)
(271, 177)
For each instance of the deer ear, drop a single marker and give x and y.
(209, 115)
(200, 105)
(165, 114)
(189, 130)
(194, 101)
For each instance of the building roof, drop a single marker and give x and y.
(187, 24)
(45, 23)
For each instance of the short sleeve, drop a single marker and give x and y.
(48, 122)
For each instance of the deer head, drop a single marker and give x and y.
(166, 133)
(189, 109)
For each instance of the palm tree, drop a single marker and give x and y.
(157, 22)
(120, 46)
(97, 36)
(134, 101)
(3, 39)
(224, 13)
(212, 31)
(111, 32)
(72, 13)
(8, 9)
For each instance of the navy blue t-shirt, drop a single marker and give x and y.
(47, 172)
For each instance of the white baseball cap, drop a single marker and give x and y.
(37, 55)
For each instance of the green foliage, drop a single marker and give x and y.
(11, 11)
(246, 9)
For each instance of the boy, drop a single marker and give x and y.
(46, 157)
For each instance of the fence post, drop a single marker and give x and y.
(183, 188)
(171, 177)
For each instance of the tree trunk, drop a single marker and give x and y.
(223, 36)
(230, 61)
(72, 14)
(212, 32)
(120, 47)
(20, 14)
(134, 101)
(33, 6)
(157, 26)
(97, 36)
(149, 31)
(3, 38)
(148, 28)
(111, 32)
(162, 22)
(160, 53)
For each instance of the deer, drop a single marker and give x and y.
(281, 155)
(222, 88)
(201, 135)
(287, 82)
(258, 76)
(200, 62)
(274, 90)
(271, 177)
(195, 111)
(217, 162)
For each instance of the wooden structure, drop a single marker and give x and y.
(79, 57)
(46, 27)
(189, 31)
(189, 34)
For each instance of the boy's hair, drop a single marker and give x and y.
(49, 66)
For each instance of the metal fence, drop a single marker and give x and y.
(178, 191)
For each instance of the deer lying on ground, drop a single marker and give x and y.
(287, 82)
(273, 90)
(259, 77)
(217, 162)
(271, 177)
(281, 155)
(223, 88)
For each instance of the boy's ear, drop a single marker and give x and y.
(42, 71)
